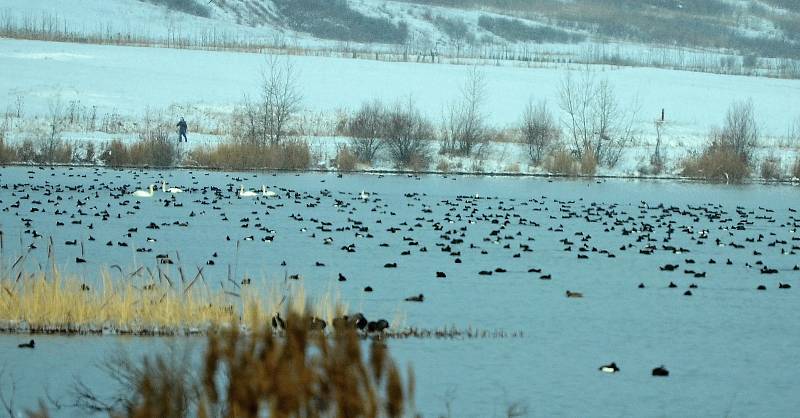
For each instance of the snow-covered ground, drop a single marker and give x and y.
(205, 87)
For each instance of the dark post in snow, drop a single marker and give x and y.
(662, 114)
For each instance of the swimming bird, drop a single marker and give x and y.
(246, 193)
(571, 294)
(267, 193)
(145, 193)
(660, 371)
(363, 195)
(172, 190)
(418, 298)
(30, 344)
(609, 368)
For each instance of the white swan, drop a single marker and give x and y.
(267, 193)
(145, 193)
(363, 195)
(165, 189)
(246, 193)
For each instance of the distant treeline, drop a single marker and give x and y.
(334, 19)
(698, 23)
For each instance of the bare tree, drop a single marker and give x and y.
(594, 119)
(465, 128)
(50, 145)
(408, 135)
(280, 100)
(539, 130)
(365, 130)
(793, 133)
(741, 131)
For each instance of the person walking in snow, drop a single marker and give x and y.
(182, 127)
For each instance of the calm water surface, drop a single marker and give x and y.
(731, 350)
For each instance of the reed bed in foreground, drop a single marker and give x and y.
(46, 302)
(50, 303)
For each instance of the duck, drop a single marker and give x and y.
(246, 193)
(571, 294)
(609, 368)
(267, 193)
(29, 344)
(660, 371)
(418, 298)
(145, 193)
(784, 286)
(172, 190)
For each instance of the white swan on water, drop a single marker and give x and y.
(363, 195)
(267, 193)
(246, 193)
(145, 193)
(166, 189)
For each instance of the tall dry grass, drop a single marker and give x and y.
(796, 168)
(346, 160)
(52, 303)
(717, 163)
(561, 162)
(288, 155)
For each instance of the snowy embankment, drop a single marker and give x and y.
(124, 82)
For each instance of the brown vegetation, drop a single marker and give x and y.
(301, 373)
(717, 163)
(771, 168)
(288, 155)
(345, 160)
(561, 162)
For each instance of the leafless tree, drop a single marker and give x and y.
(465, 128)
(594, 119)
(741, 131)
(408, 135)
(539, 130)
(793, 133)
(279, 101)
(50, 144)
(365, 130)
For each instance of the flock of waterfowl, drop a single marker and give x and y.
(470, 231)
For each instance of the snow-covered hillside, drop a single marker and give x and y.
(759, 38)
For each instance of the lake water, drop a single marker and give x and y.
(731, 350)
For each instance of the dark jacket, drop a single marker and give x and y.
(182, 125)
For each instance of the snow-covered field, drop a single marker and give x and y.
(204, 85)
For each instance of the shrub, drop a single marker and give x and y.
(796, 168)
(7, 153)
(771, 168)
(539, 130)
(408, 135)
(561, 161)
(345, 159)
(26, 151)
(115, 154)
(443, 166)
(365, 130)
(718, 162)
(301, 373)
(740, 131)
